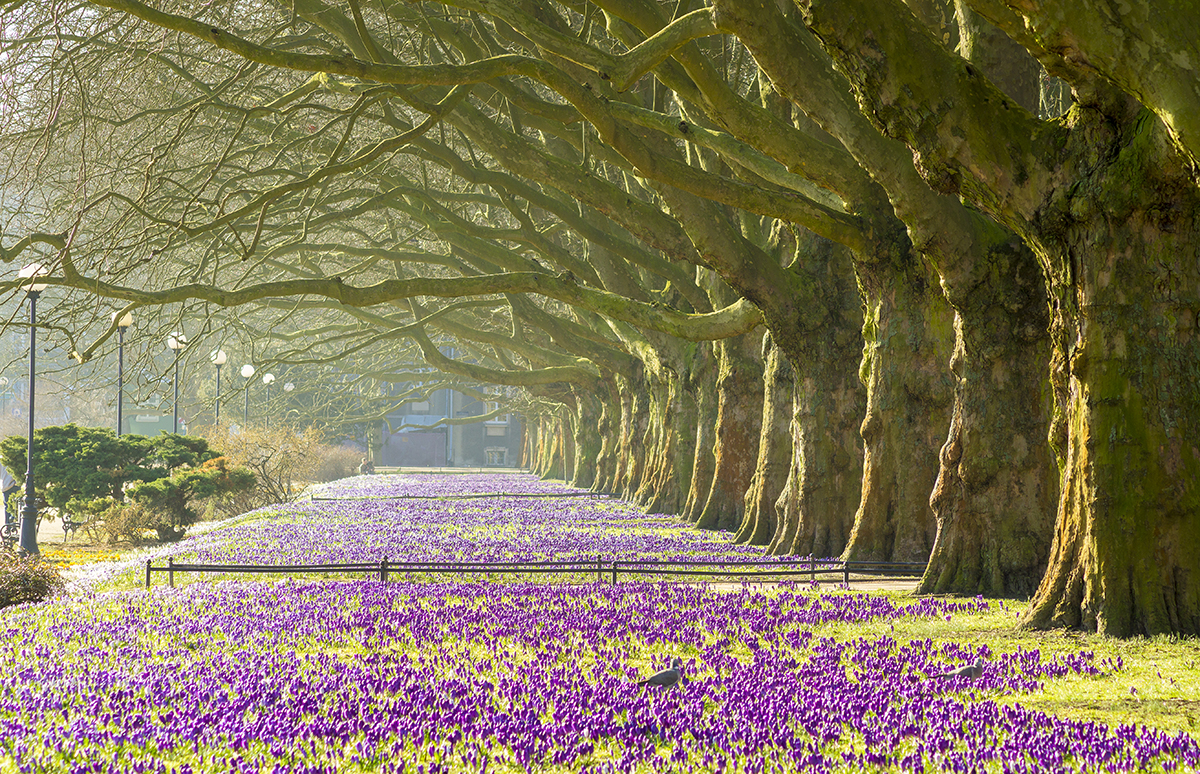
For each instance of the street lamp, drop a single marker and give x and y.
(29, 511)
(247, 374)
(124, 322)
(176, 342)
(268, 380)
(218, 357)
(4, 390)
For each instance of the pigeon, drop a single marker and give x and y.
(666, 677)
(970, 671)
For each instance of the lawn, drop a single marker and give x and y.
(303, 675)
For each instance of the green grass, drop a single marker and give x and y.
(1164, 670)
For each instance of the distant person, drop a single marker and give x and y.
(367, 468)
(8, 485)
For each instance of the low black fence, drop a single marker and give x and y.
(601, 568)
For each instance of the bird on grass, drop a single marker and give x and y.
(970, 671)
(670, 676)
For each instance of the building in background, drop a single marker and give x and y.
(411, 436)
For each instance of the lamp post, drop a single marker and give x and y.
(218, 357)
(4, 391)
(29, 511)
(268, 380)
(247, 374)
(176, 342)
(124, 322)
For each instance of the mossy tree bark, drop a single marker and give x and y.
(739, 411)
(998, 483)
(908, 338)
(997, 486)
(635, 415)
(702, 384)
(665, 490)
(816, 509)
(759, 521)
(1107, 199)
(587, 441)
(1126, 289)
(958, 241)
(609, 429)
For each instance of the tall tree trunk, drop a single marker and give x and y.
(668, 490)
(703, 383)
(587, 445)
(1126, 370)
(551, 448)
(816, 508)
(997, 487)
(566, 435)
(909, 336)
(624, 411)
(609, 430)
(633, 434)
(774, 450)
(655, 440)
(739, 411)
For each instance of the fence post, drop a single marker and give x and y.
(171, 571)
(614, 572)
(383, 570)
(812, 565)
(599, 570)
(846, 572)
(147, 573)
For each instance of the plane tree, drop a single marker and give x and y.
(1102, 198)
(657, 175)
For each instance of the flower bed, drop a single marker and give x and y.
(511, 677)
(491, 528)
(391, 485)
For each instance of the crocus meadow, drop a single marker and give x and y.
(430, 677)
(396, 485)
(464, 518)
(351, 676)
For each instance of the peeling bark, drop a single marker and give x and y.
(816, 508)
(774, 451)
(908, 340)
(1126, 369)
(703, 386)
(739, 411)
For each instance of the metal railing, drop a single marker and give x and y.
(721, 568)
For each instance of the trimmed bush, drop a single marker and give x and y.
(27, 579)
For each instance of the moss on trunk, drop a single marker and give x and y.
(587, 441)
(739, 411)
(1126, 290)
(703, 386)
(774, 451)
(908, 339)
(997, 486)
(816, 509)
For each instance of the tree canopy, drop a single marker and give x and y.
(979, 298)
